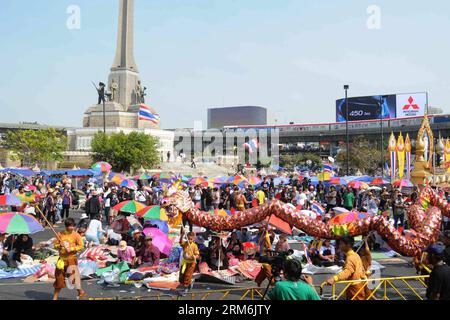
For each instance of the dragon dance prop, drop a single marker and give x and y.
(424, 217)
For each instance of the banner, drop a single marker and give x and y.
(393, 155)
(447, 154)
(408, 156)
(401, 156)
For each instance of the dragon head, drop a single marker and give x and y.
(176, 201)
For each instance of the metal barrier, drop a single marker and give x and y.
(405, 288)
(232, 294)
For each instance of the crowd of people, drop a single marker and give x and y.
(101, 224)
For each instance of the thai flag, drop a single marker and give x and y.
(146, 114)
(317, 208)
(327, 167)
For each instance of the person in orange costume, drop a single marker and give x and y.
(191, 254)
(353, 270)
(68, 243)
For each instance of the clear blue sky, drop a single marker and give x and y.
(291, 56)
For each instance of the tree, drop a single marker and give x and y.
(364, 157)
(300, 159)
(126, 151)
(35, 146)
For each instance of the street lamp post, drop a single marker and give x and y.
(382, 132)
(346, 87)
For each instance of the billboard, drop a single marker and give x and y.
(392, 106)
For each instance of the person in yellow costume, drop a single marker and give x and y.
(353, 270)
(68, 243)
(191, 255)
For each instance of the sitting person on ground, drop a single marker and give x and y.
(3, 251)
(295, 286)
(126, 253)
(95, 231)
(327, 254)
(22, 245)
(234, 245)
(84, 221)
(282, 244)
(149, 254)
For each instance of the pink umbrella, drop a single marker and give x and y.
(160, 240)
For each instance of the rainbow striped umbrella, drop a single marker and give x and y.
(358, 185)
(164, 177)
(143, 176)
(402, 183)
(198, 181)
(218, 180)
(348, 217)
(10, 200)
(237, 179)
(19, 223)
(101, 166)
(253, 181)
(130, 184)
(152, 213)
(129, 206)
(117, 178)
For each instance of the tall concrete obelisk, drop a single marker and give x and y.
(124, 71)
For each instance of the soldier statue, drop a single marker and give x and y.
(101, 92)
(113, 87)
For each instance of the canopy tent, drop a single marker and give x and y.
(18, 171)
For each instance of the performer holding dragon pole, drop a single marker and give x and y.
(190, 256)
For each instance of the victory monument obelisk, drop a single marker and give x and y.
(124, 90)
(123, 96)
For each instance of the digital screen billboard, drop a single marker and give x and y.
(392, 106)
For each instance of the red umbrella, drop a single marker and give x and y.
(378, 181)
(279, 224)
(402, 183)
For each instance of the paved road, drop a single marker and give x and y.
(16, 289)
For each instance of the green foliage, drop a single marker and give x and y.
(126, 151)
(364, 156)
(299, 159)
(35, 146)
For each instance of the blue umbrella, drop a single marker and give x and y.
(162, 225)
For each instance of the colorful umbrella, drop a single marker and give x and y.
(253, 181)
(129, 206)
(162, 176)
(358, 185)
(101, 166)
(236, 179)
(198, 181)
(19, 223)
(10, 200)
(117, 178)
(338, 181)
(143, 176)
(159, 240)
(130, 184)
(402, 183)
(219, 180)
(152, 213)
(162, 225)
(378, 181)
(348, 217)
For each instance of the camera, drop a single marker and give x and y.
(277, 262)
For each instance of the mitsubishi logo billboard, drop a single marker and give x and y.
(411, 105)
